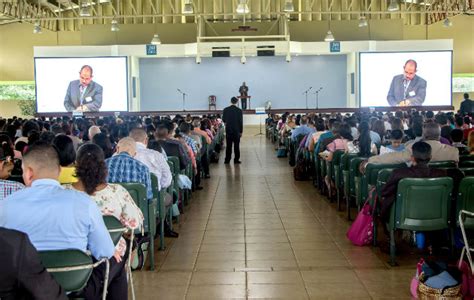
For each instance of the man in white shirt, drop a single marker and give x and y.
(158, 165)
(154, 160)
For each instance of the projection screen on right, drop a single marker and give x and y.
(405, 78)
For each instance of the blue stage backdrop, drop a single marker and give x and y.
(269, 79)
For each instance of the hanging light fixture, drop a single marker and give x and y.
(155, 40)
(37, 28)
(114, 27)
(288, 57)
(363, 21)
(289, 7)
(447, 23)
(329, 37)
(243, 59)
(85, 10)
(242, 7)
(393, 6)
(198, 59)
(188, 7)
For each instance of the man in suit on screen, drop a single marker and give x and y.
(407, 89)
(83, 94)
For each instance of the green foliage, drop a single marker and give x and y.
(27, 107)
(13, 90)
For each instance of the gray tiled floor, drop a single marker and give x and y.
(254, 232)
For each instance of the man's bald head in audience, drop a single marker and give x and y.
(127, 145)
(41, 161)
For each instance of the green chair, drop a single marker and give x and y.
(176, 171)
(354, 183)
(116, 230)
(467, 164)
(463, 158)
(422, 204)
(369, 179)
(72, 268)
(344, 166)
(465, 199)
(337, 175)
(442, 164)
(138, 192)
(160, 206)
(382, 178)
(467, 171)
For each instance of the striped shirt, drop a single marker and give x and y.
(8, 187)
(125, 169)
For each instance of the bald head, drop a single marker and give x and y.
(431, 131)
(93, 130)
(127, 145)
(138, 135)
(40, 162)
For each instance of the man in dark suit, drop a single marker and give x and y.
(83, 94)
(23, 276)
(233, 119)
(421, 156)
(244, 93)
(467, 106)
(407, 89)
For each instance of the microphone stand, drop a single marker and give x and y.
(317, 97)
(184, 98)
(306, 95)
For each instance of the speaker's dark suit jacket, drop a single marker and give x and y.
(22, 275)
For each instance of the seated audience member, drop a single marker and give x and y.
(47, 137)
(470, 142)
(377, 133)
(171, 146)
(103, 141)
(328, 136)
(420, 157)
(396, 137)
(45, 204)
(197, 129)
(154, 160)
(431, 135)
(26, 128)
(7, 187)
(204, 153)
(93, 130)
(124, 168)
(23, 276)
(303, 129)
(364, 147)
(112, 199)
(457, 137)
(313, 140)
(67, 157)
(343, 137)
(469, 126)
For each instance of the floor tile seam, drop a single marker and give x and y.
(288, 238)
(333, 240)
(202, 239)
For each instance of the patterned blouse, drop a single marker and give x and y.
(115, 201)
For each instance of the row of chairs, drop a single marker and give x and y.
(421, 204)
(72, 268)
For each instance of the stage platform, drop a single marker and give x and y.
(252, 111)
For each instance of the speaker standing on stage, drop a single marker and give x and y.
(244, 93)
(233, 119)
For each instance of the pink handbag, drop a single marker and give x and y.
(361, 232)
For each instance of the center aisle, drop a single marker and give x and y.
(253, 232)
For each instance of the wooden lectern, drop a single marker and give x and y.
(248, 99)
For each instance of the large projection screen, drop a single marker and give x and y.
(384, 81)
(56, 76)
(268, 78)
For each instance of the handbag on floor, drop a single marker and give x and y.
(281, 152)
(361, 232)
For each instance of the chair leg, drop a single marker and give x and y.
(162, 233)
(151, 251)
(348, 207)
(392, 262)
(338, 199)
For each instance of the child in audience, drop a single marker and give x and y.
(396, 137)
(456, 137)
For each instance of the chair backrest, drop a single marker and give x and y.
(115, 228)
(382, 178)
(442, 164)
(467, 164)
(465, 199)
(463, 158)
(467, 171)
(138, 192)
(372, 171)
(345, 159)
(354, 171)
(57, 262)
(176, 167)
(154, 186)
(423, 204)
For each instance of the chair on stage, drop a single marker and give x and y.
(212, 102)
